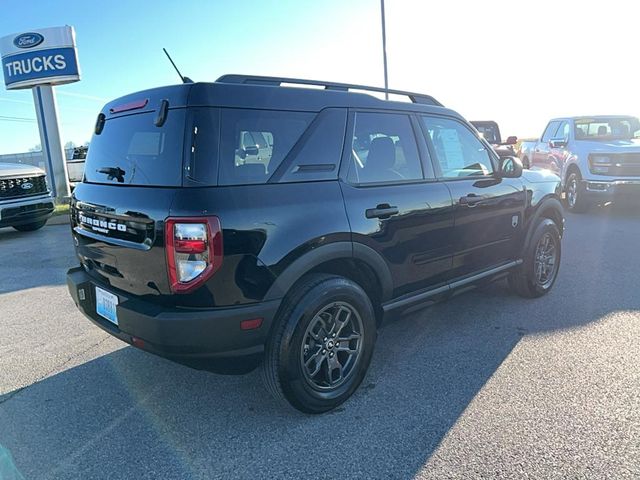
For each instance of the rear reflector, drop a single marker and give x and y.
(137, 342)
(251, 324)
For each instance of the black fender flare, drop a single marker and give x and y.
(546, 204)
(325, 253)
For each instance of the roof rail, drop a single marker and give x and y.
(345, 87)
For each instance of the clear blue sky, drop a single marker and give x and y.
(510, 61)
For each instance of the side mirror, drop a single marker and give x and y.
(510, 167)
(512, 140)
(558, 143)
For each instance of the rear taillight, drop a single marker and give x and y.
(194, 251)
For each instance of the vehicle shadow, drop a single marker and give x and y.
(35, 259)
(129, 414)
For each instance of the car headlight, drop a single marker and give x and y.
(600, 160)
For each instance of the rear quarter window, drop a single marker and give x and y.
(253, 143)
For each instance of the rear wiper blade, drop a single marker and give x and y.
(114, 173)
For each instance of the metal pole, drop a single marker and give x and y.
(384, 51)
(55, 161)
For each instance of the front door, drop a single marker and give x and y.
(488, 209)
(393, 202)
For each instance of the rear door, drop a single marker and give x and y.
(488, 209)
(394, 204)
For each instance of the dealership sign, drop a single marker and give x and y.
(36, 57)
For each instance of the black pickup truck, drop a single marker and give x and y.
(243, 222)
(491, 133)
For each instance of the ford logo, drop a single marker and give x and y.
(26, 186)
(28, 40)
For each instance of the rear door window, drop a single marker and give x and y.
(383, 149)
(131, 150)
(253, 143)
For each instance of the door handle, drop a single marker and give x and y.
(471, 200)
(382, 211)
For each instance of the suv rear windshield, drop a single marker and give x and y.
(131, 150)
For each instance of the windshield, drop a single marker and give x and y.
(617, 128)
(131, 150)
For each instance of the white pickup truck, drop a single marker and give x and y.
(25, 202)
(597, 158)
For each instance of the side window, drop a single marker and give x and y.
(254, 142)
(458, 151)
(550, 131)
(317, 155)
(563, 131)
(383, 149)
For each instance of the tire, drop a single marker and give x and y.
(30, 227)
(525, 280)
(287, 364)
(525, 163)
(576, 200)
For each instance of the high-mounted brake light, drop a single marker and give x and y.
(129, 106)
(194, 251)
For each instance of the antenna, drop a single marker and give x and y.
(184, 79)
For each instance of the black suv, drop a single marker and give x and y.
(248, 221)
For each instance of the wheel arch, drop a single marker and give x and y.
(550, 208)
(354, 261)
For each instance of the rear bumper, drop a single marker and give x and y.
(598, 189)
(183, 335)
(21, 211)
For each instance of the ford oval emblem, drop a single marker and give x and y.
(26, 186)
(28, 40)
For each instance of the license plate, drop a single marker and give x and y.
(106, 305)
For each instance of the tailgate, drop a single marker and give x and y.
(119, 235)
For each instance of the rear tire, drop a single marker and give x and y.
(326, 325)
(541, 262)
(576, 200)
(30, 227)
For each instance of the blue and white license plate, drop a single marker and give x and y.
(106, 305)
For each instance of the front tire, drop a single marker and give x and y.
(321, 345)
(575, 194)
(541, 262)
(30, 227)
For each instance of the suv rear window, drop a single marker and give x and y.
(131, 150)
(254, 143)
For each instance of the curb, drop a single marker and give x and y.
(59, 220)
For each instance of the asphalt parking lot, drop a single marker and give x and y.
(487, 385)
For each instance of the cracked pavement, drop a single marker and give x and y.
(487, 385)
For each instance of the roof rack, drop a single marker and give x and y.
(345, 87)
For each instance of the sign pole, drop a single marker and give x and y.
(384, 50)
(47, 115)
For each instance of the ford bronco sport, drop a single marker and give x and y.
(249, 222)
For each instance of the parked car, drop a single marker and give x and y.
(598, 157)
(490, 131)
(75, 165)
(361, 209)
(525, 150)
(25, 201)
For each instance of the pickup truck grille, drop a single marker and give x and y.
(16, 187)
(625, 165)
